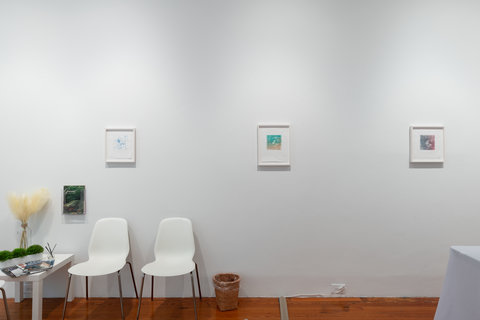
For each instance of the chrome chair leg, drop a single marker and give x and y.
(66, 295)
(133, 279)
(140, 299)
(193, 292)
(198, 281)
(120, 291)
(151, 295)
(5, 303)
(86, 287)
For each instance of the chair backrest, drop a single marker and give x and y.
(109, 238)
(175, 238)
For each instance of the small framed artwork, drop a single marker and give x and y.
(273, 145)
(427, 144)
(74, 199)
(120, 145)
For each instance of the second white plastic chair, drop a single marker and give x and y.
(4, 299)
(107, 253)
(174, 250)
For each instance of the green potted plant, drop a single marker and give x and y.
(20, 255)
(5, 255)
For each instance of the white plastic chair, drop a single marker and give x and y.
(4, 299)
(107, 253)
(174, 250)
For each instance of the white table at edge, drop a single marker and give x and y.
(61, 260)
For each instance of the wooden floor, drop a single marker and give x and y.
(249, 308)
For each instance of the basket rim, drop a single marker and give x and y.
(234, 275)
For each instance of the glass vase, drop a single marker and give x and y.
(24, 235)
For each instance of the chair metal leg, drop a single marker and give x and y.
(66, 295)
(140, 299)
(86, 287)
(5, 303)
(120, 291)
(193, 292)
(198, 281)
(133, 279)
(151, 295)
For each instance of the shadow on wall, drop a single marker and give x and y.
(120, 165)
(262, 168)
(426, 165)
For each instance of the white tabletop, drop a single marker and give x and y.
(61, 259)
(472, 252)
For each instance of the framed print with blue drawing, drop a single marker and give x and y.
(427, 144)
(273, 144)
(119, 145)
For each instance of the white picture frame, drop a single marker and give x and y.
(120, 145)
(273, 144)
(427, 144)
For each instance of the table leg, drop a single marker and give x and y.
(71, 292)
(37, 299)
(18, 291)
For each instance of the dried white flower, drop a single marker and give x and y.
(24, 206)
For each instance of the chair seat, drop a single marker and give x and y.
(97, 267)
(2, 283)
(168, 267)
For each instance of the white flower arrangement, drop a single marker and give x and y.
(24, 206)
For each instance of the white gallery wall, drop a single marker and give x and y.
(195, 78)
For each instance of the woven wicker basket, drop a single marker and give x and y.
(226, 290)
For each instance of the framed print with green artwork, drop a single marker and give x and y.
(74, 199)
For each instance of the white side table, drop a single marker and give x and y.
(61, 260)
(460, 295)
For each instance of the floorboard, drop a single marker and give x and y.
(249, 309)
